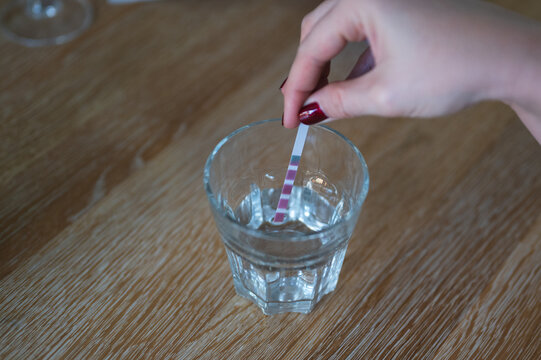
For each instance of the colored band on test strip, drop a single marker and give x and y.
(281, 210)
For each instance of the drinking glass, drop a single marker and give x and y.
(290, 266)
(44, 22)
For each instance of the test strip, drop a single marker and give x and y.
(290, 174)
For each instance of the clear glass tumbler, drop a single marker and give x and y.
(44, 22)
(286, 267)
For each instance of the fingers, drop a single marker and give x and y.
(321, 83)
(314, 16)
(307, 24)
(325, 40)
(355, 97)
(323, 79)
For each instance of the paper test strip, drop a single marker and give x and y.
(291, 173)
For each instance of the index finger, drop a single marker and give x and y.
(328, 37)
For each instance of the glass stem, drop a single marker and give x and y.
(40, 9)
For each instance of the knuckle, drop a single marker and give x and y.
(307, 23)
(385, 98)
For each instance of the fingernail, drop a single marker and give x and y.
(282, 119)
(281, 86)
(311, 114)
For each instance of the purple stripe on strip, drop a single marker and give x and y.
(290, 175)
(282, 204)
(279, 217)
(296, 163)
(286, 190)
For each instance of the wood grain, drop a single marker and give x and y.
(108, 248)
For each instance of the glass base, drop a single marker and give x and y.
(279, 289)
(46, 23)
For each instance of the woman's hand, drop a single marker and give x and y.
(426, 58)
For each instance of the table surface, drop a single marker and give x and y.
(108, 248)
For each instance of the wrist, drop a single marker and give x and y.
(519, 83)
(524, 96)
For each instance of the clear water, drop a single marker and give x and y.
(314, 207)
(288, 285)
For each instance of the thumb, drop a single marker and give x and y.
(365, 95)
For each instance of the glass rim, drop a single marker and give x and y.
(357, 205)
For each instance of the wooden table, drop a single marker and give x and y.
(107, 244)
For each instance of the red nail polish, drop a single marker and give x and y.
(282, 119)
(311, 114)
(281, 86)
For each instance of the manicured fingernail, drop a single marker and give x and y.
(282, 119)
(311, 114)
(281, 86)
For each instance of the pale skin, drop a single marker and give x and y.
(426, 58)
